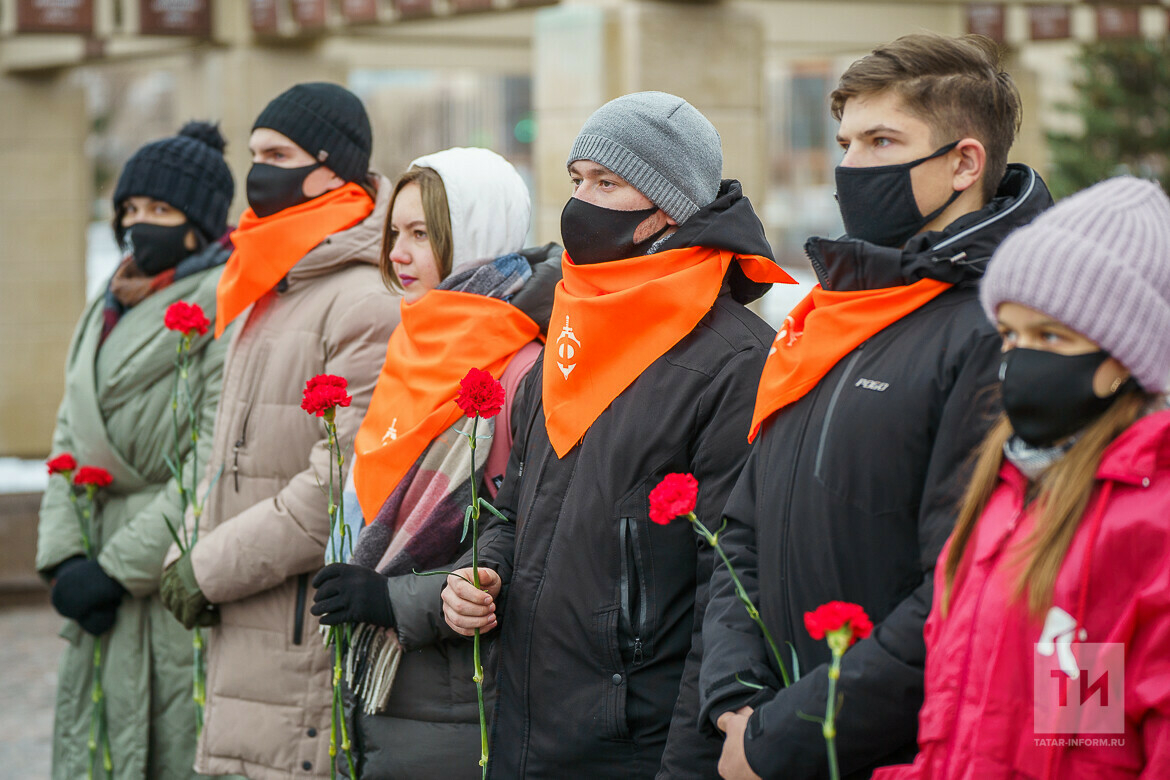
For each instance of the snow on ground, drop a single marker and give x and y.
(22, 476)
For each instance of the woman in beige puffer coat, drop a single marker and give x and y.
(266, 520)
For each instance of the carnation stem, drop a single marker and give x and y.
(829, 729)
(741, 591)
(336, 635)
(98, 732)
(478, 678)
(82, 516)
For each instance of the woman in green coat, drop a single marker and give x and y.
(171, 207)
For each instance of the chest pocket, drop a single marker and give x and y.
(871, 438)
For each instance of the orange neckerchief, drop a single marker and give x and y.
(442, 335)
(267, 249)
(823, 328)
(617, 318)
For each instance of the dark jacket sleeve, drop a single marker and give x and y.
(417, 607)
(716, 459)
(734, 646)
(882, 677)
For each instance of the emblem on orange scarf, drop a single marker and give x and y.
(567, 346)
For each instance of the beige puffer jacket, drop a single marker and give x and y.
(266, 520)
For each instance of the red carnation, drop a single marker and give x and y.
(837, 616)
(186, 318)
(324, 393)
(92, 475)
(62, 464)
(480, 393)
(674, 496)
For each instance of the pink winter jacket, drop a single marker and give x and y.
(978, 721)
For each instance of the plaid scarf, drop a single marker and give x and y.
(419, 525)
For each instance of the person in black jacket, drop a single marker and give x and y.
(648, 370)
(878, 389)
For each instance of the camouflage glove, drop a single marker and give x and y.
(181, 595)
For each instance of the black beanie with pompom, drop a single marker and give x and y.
(186, 171)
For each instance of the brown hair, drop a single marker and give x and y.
(956, 85)
(437, 214)
(1061, 497)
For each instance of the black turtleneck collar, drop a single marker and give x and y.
(958, 254)
(728, 222)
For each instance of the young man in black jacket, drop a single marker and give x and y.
(650, 368)
(880, 385)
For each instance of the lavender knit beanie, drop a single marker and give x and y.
(1099, 262)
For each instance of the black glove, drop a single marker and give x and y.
(83, 587)
(98, 621)
(352, 594)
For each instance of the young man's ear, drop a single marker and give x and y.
(970, 161)
(321, 181)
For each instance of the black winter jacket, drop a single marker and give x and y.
(850, 493)
(599, 645)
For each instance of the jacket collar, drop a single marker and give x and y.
(728, 222)
(359, 244)
(958, 254)
(1136, 454)
(1133, 458)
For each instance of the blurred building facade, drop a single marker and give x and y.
(83, 83)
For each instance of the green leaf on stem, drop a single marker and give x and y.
(418, 573)
(752, 685)
(174, 533)
(211, 484)
(484, 503)
(172, 466)
(795, 662)
(466, 522)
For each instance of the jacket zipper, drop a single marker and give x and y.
(240, 442)
(299, 623)
(789, 627)
(815, 260)
(633, 576)
(848, 372)
(527, 437)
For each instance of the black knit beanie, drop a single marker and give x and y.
(186, 171)
(327, 121)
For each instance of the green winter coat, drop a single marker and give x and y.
(116, 414)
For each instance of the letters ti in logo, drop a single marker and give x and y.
(1078, 687)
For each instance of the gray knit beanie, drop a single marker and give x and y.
(1099, 262)
(661, 145)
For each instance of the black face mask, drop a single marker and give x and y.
(1049, 397)
(272, 189)
(593, 234)
(878, 205)
(157, 248)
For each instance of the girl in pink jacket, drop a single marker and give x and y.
(1048, 645)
